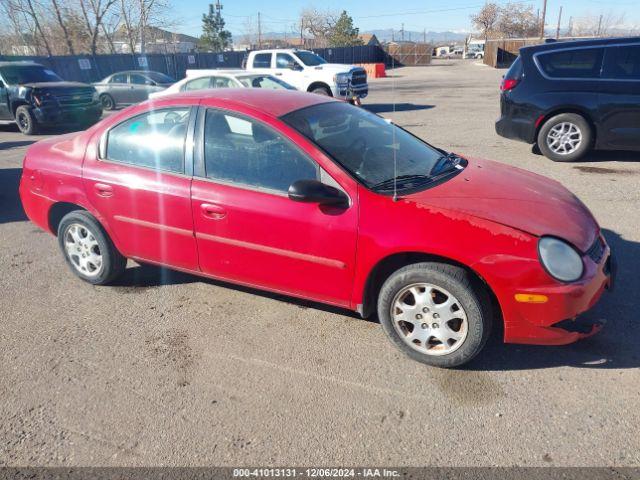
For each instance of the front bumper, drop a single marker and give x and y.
(54, 115)
(556, 321)
(349, 91)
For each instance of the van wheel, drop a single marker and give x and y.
(25, 120)
(565, 138)
(435, 313)
(107, 101)
(321, 91)
(88, 249)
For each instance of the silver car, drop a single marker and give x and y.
(128, 88)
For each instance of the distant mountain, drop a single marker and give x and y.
(388, 34)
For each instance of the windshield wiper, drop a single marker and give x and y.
(445, 163)
(402, 181)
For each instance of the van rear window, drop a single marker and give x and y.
(578, 63)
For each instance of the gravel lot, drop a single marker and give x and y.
(170, 369)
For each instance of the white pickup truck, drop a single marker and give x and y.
(311, 73)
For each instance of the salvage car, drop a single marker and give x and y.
(206, 79)
(311, 197)
(33, 97)
(571, 97)
(127, 88)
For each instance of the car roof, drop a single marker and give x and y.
(142, 72)
(579, 43)
(269, 102)
(203, 72)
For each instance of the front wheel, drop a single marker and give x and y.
(26, 121)
(107, 101)
(322, 91)
(565, 138)
(435, 313)
(88, 249)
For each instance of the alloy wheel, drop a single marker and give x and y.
(83, 250)
(429, 319)
(564, 138)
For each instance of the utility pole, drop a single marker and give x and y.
(259, 32)
(544, 18)
(559, 20)
(424, 36)
(402, 32)
(301, 33)
(570, 30)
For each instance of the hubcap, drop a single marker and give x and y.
(446, 327)
(564, 138)
(83, 250)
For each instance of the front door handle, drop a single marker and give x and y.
(213, 211)
(278, 74)
(103, 190)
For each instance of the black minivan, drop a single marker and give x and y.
(570, 97)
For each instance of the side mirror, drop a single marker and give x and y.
(313, 191)
(293, 66)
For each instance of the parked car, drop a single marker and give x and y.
(311, 73)
(571, 97)
(205, 79)
(34, 96)
(314, 198)
(127, 88)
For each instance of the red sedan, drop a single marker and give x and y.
(311, 197)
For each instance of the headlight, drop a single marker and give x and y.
(341, 78)
(560, 259)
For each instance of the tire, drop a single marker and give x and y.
(322, 91)
(468, 316)
(26, 121)
(107, 101)
(94, 243)
(570, 127)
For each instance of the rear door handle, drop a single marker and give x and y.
(213, 211)
(103, 190)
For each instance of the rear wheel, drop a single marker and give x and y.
(565, 138)
(26, 121)
(435, 313)
(88, 249)
(107, 101)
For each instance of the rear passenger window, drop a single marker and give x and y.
(245, 152)
(197, 84)
(262, 60)
(154, 140)
(119, 78)
(578, 63)
(623, 63)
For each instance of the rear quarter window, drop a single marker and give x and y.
(579, 63)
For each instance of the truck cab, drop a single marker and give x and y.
(34, 96)
(310, 72)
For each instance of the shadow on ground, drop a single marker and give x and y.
(596, 156)
(10, 205)
(616, 346)
(399, 107)
(10, 145)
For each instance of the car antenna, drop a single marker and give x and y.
(393, 131)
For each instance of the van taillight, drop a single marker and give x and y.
(508, 84)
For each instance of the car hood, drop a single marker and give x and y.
(55, 85)
(516, 198)
(336, 67)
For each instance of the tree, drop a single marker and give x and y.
(486, 19)
(94, 12)
(318, 24)
(344, 34)
(518, 20)
(214, 36)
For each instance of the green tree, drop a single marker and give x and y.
(214, 36)
(344, 34)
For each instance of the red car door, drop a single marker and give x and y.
(138, 185)
(249, 231)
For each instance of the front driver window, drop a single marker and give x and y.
(155, 140)
(245, 152)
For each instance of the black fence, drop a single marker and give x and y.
(93, 68)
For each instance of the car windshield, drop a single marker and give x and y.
(264, 81)
(379, 154)
(310, 59)
(159, 77)
(20, 74)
